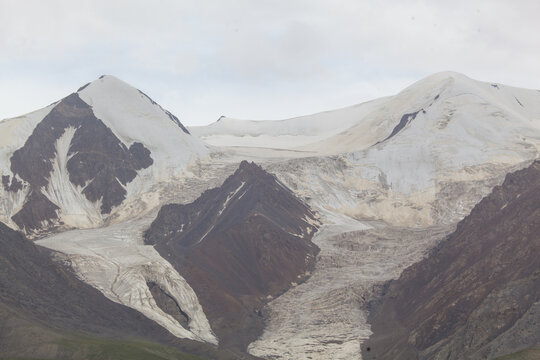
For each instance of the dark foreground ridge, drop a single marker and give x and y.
(237, 245)
(46, 312)
(476, 296)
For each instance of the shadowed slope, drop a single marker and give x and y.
(477, 295)
(236, 245)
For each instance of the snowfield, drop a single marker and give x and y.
(390, 187)
(283, 134)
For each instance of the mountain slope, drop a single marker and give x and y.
(237, 245)
(446, 100)
(44, 308)
(425, 156)
(443, 105)
(76, 162)
(477, 295)
(283, 134)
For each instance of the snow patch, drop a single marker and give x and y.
(76, 210)
(283, 134)
(230, 196)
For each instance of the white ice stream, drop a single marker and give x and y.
(325, 317)
(115, 261)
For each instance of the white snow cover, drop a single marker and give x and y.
(77, 210)
(470, 123)
(134, 118)
(283, 134)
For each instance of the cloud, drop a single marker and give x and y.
(259, 59)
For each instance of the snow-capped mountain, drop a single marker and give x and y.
(411, 167)
(283, 134)
(90, 158)
(388, 179)
(399, 158)
(444, 105)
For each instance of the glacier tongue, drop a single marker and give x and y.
(113, 260)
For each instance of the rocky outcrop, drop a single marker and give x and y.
(168, 303)
(38, 211)
(238, 245)
(476, 296)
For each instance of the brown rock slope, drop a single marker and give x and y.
(477, 295)
(45, 309)
(237, 245)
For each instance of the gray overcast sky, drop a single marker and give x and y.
(259, 59)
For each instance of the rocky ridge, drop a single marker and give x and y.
(238, 245)
(477, 294)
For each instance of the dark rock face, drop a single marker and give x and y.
(32, 284)
(236, 245)
(36, 212)
(34, 287)
(168, 304)
(405, 119)
(98, 161)
(474, 296)
(11, 183)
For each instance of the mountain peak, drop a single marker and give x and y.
(440, 81)
(250, 167)
(109, 94)
(108, 83)
(238, 245)
(105, 124)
